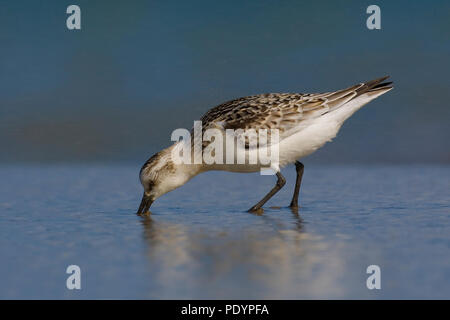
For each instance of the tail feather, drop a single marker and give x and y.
(373, 88)
(384, 85)
(362, 94)
(374, 85)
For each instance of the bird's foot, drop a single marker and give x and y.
(144, 214)
(256, 210)
(294, 209)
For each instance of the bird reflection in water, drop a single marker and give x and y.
(268, 260)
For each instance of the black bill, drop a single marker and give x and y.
(146, 202)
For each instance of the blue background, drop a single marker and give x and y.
(114, 90)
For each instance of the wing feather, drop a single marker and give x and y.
(287, 112)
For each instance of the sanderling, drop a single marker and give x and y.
(305, 123)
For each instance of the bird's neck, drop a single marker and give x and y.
(186, 168)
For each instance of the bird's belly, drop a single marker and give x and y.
(290, 149)
(243, 168)
(322, 130)
(308, 140)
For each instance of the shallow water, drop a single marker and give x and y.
(200, 243)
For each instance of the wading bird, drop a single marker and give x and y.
(305, 123)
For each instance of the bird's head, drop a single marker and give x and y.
(160, 175)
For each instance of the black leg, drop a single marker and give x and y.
(280, 183)
(299, 168)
